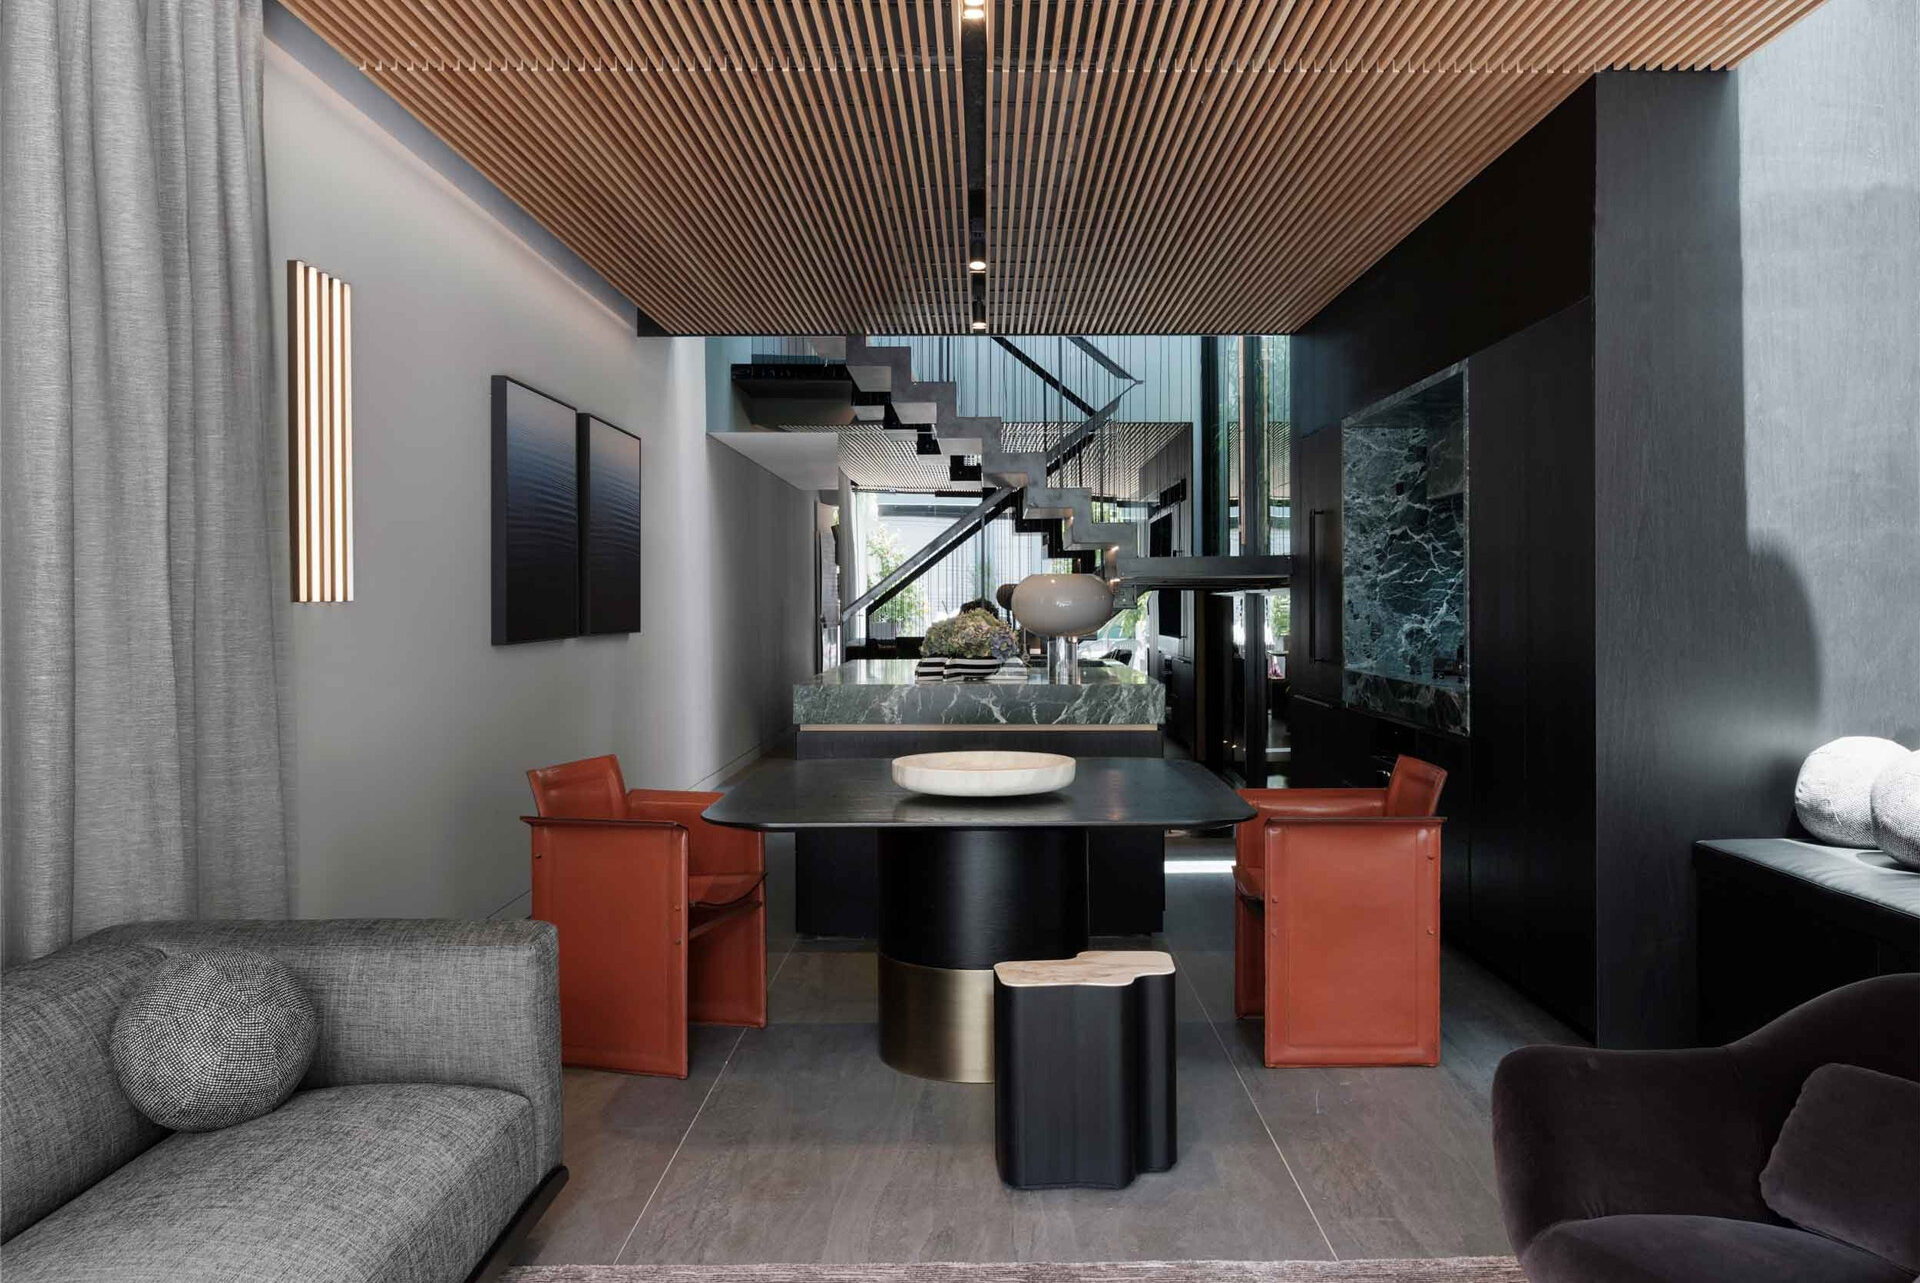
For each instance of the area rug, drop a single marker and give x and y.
(1457, 1269)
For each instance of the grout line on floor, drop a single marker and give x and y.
(691, 1122)
(1248, 1092)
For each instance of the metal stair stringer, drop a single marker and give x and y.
(1021, 478)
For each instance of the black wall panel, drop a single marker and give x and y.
(1513, 246)
(1497, 277)
(1530, 459)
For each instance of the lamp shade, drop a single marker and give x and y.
(1062, 605)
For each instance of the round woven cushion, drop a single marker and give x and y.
(1896, 811)
(214, 1039)
(1834, 794)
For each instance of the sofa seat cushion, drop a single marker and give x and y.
(388, 1183)
(1696, 1249)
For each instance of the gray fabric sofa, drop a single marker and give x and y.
(423, 1141)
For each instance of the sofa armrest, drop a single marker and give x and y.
(413, 1000)
(1580, 1133)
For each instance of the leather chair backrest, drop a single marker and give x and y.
(1415, 787)
(590, 789)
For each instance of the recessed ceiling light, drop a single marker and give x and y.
(973, 12)
(976, 265)
(979, 327)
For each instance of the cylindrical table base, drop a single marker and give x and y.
(952, 903)
(937, 1022)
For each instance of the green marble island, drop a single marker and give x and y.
(883, 692)
(874, 708)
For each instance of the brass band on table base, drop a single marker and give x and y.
(937, 1022)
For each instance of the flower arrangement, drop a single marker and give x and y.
(972, 634)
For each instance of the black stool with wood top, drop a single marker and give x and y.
(1083, 1069)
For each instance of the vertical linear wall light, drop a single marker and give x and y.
(320, 433)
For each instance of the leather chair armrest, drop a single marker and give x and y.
(1249, 840)
(618, 891)
(675, 806)
(713, 848)
(1309, 803)
(1580, 1133)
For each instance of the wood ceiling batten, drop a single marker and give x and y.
(1151, 166)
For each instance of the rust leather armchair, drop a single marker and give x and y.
(1336, 927)
(662, 917)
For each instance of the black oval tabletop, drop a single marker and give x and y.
(859, 793)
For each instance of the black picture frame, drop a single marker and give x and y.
(536, 515)
(610, 511)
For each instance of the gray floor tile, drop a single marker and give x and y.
(1396, 1162)
(619, 1132)
(808, 1148)
(813, 1150)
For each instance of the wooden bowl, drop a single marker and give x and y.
(983, 773)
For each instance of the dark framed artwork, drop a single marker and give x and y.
(609, 527)
(536, 515)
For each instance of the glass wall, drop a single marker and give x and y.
(1250, 422)
(896, 525)
(1277, 424)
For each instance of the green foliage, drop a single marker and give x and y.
(910, 603)
(1279, 615)
(1127, 622)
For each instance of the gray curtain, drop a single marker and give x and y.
(140, 756)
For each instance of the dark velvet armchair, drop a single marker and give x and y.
(1649, 1166)
(662, 917)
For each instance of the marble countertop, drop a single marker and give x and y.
(868, 692)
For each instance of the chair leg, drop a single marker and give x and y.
(1249, 959)
(1274, 1032)
(727, 972)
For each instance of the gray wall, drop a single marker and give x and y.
(410, 732)
(1757, 459)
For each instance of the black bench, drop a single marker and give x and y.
(1783, 920)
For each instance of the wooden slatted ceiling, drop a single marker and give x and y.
(1153, 166)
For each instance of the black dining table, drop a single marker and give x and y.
(969, 882)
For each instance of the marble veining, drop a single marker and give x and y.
(882, 692)
(1404, 510)
(1442, 707)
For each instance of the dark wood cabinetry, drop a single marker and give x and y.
(1338, 747)
(1499, 279)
